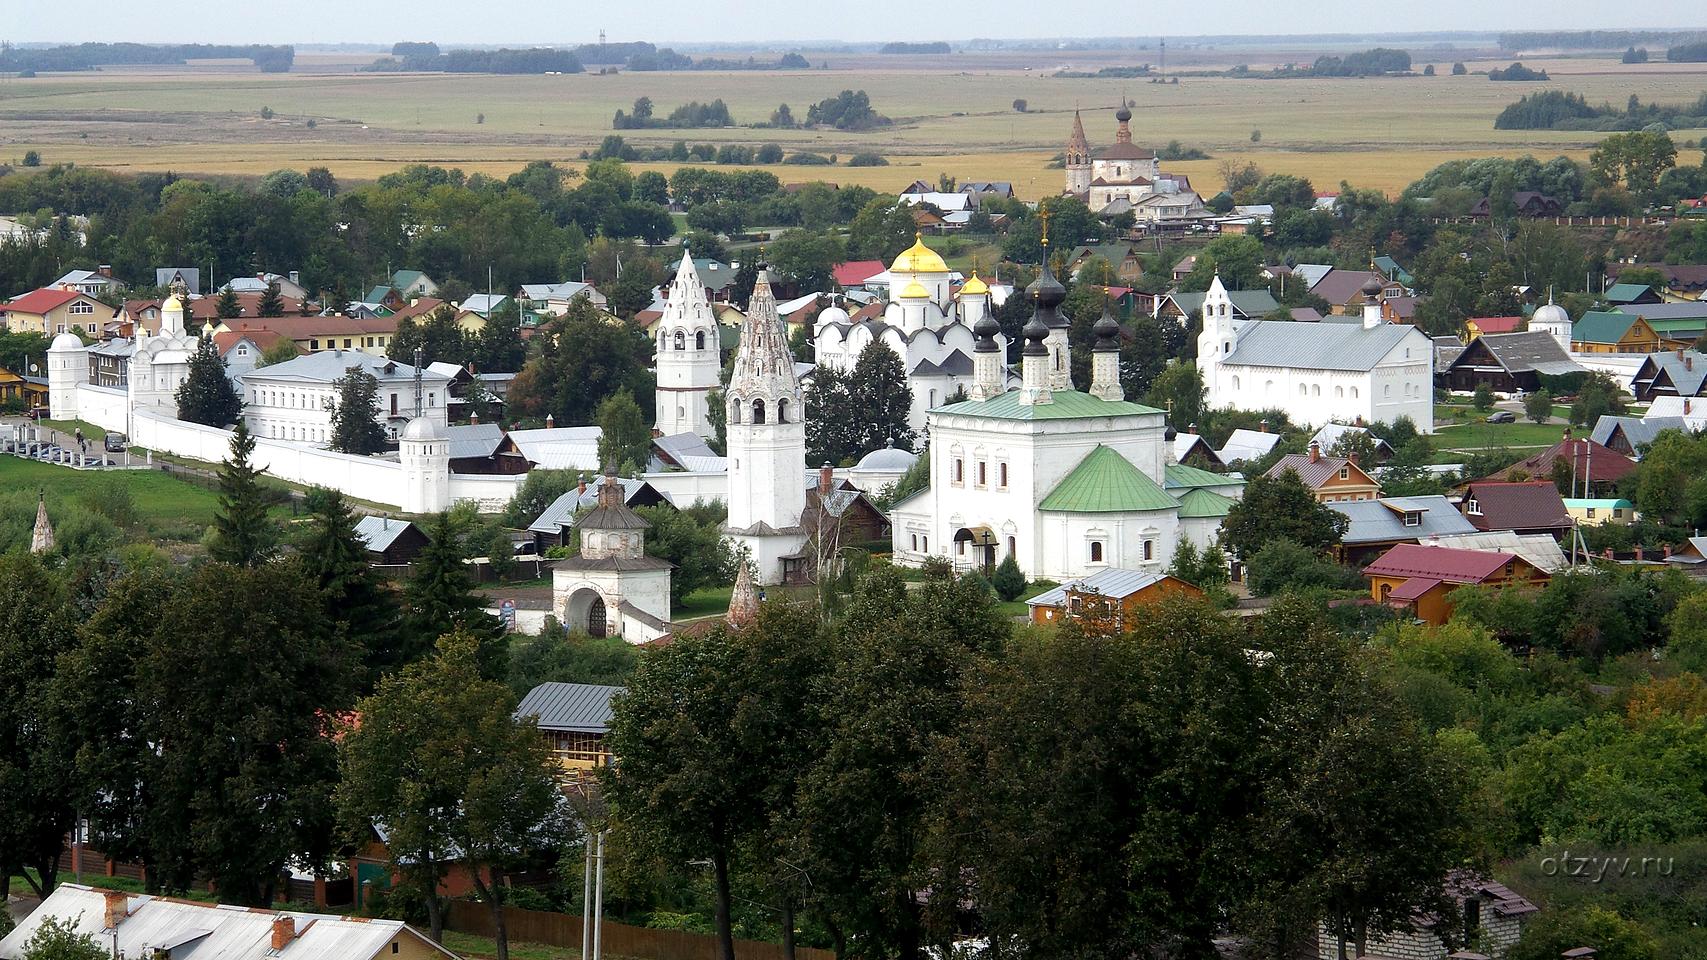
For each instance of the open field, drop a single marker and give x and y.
(163, 502)
(1377, 132)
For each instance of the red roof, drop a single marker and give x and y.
(262, 338)
(1528, 506)
(855, 272)
(205, 309)
(1600, 464)
(1415, 562)
(1498, 324)
(41, 301)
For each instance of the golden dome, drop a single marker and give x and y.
(918, 258)
(975, 287)
(916, 289)
(172, 303)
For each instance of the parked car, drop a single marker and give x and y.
(527, 548)
(117, 442)
(1502, 416)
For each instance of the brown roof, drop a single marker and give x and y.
(1600, 464)
(1123, 151)
(1340, 286)
(300, 328)
(1315, 472)
(263, 338)
(419, 308)
(1531, 505)
(203, 309)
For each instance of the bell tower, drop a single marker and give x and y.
(688, 358)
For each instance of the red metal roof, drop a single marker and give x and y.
(855, 272)
(1413, 588)
(1530, 505)
(1599, 463)
(1498, 324)
(1438, 563)
(41, 301)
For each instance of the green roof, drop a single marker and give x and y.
(1616, 503)
(1066, 405)
(1106, 482)
(404, 278)
(1602, 326)
(1676, 324)
(1625, 292)
(1203, 503)
(1391, 269)
(1180, 475)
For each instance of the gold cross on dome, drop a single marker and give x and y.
(1043, 214)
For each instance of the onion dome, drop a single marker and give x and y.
(1107, 332)
(985, 331)
(1373, 286)
(1046, 291)
(918, 258)
(916, 290)
(974, 287)
(1035, 332)
(1124, 113)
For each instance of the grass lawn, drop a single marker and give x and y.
(468, 945)
(1482, 434)
(705, 602)
(69, 427)
(162, 501)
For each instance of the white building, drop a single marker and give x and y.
(160, 364)
(613, 589)
(294, 400)
(766, 440)
(1317, 372)
(688, 359)
(1124, 176)
(1066, 482)
(926, 322)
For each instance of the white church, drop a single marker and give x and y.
(1066, 482)
(926, 322)
(687, 361)
(1124, 176)
(1318, 373)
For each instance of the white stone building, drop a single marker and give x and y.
(160, 364)
(294, 400)
(926, 322)
(1066, 482)
(688, 359)
(1124, 176)
(613, 589)
(766, 441)
(1316, 372)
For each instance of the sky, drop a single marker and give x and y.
(520, 22)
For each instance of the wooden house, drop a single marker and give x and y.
(1418, 579)
(1331, 479)
(1108, 597)
(1612, 331)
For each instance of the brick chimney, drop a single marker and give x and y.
(1686, 406)
(1351, 458)
(1263, 425)
(550, 421)
(473, 417)
(115, 907)
(826, 480)
(1315, 451)
(581, 487)
(284, 931)
(1688, 361)
(105, 269)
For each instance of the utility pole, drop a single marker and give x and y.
(599, 902)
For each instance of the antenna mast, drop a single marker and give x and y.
(418, 354)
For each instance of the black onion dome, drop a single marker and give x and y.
(1107, 332)
(1035, 332)
(985, 331)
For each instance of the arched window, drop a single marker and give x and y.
(1013, 548)
(735, 412)
(1315, 390)
(699, 340)
(1302, 390)
(662, 335)
(1235, 383)
(1149, 550)
(1339, 393)
(758, 411)
(681, 340)
(1354, 393)
(1002, 476)
(782, 411)
(1386, 391)
(933, 397)
(1096, 551)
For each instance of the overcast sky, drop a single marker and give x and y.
(533, 21)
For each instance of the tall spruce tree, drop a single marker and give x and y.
(831, 433)
(335, 559)
(243, 534)
(272, 304)
(879, 399)
(439, 598)
(228, 307)
(355, 419)
(206, 395)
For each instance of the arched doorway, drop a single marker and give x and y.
(976, 546)
(596, 626)
(585, 612)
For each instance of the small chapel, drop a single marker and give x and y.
(1122, 175)
(612, 588)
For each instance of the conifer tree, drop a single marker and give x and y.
(228, 307)
(439, 598)
(272, 304)
(1008, 580)
(879, 399)
(355, 423)
(243, 534)
(335, 559)
(206, 395)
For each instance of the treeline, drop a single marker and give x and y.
(1517, 71)
(534, 60)
(914, 48)
(1368, 63)
(1561, 110)
(1593, 39)
(690, 115)
(1688, 53)
(88, 56)
(645, 57)
(848, 110)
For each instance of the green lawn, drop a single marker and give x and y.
(1483, 434)
(161, 501)
(705, 602)
(68, 427)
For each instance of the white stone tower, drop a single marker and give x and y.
(688, 360)
(67, 368)
(1551, 319)
(1217, 339)
(613, 589)
(424, 452)
(766, 442)
(1078, 159)
(989, 361)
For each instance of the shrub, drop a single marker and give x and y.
(1008, 580)
(32, 158)
(867, 160)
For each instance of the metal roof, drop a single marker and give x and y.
(1065, 405)
(327, 366)
(570, 707)
(218, 931)
(379, 533)
(1540, 549)
(1603, 326)
(1251, 303)
(1106, 482)
(1383, 520)
(474, 439)
(1637, 431)
(1117, 584)
(1521, 353)
(1245, 444)
(1438, 563)
(1199, 502)
(1322, 346)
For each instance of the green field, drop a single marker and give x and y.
(952, 114)
(162, 502)
(1480, 435)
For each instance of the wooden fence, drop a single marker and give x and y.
(618, 940)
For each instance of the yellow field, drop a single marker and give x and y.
(1376, 132)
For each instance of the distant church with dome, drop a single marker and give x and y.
(1125, 177)
(927, 322)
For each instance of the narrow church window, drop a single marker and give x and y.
(1002, 477)
(981, 479)
(699, 340)
(1012, 548)
(782, 411)
(959, 471)
(1096, 551)
(1149, 550)
(915, 543)
(927, 544)
(758, 411)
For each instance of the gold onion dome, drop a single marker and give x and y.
(915, 289)
(975, 287)
(918, 258)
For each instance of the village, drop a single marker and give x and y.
(1143, 567)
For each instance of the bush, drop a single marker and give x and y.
(1008, 580)
(808, 159)
(1483, 398)
(1256, 136)
(867, 160)
(1283, 566)
(32, 158)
